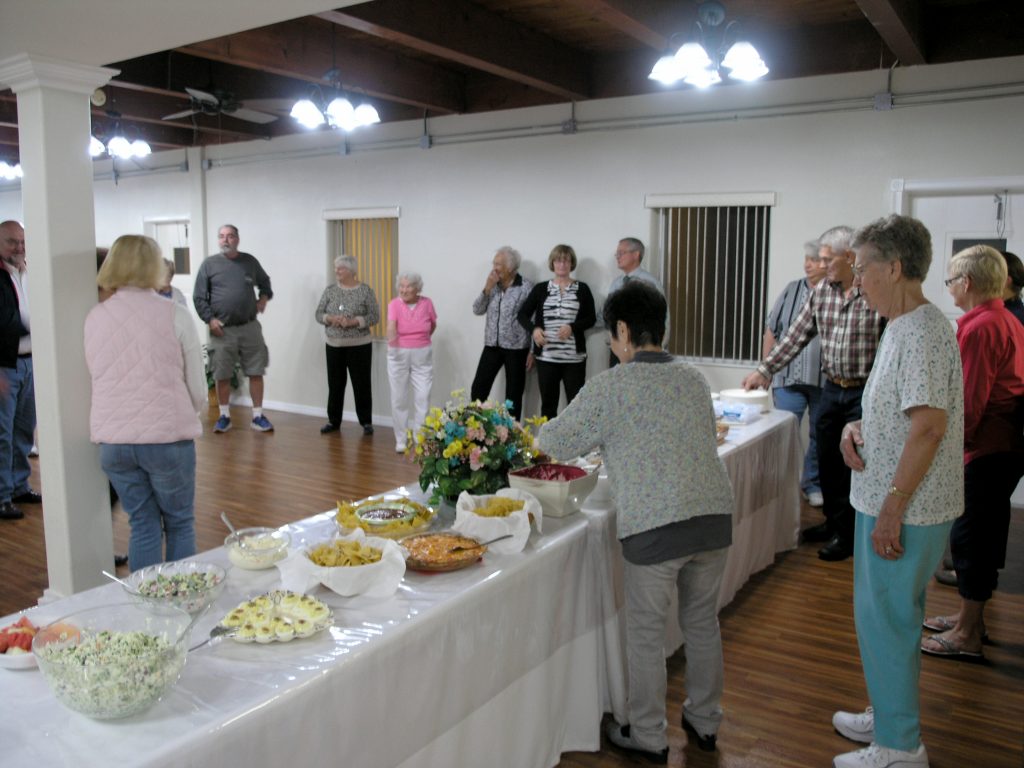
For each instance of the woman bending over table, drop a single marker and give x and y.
(411, 322)
(148, 388)
(654, 422)
(907, 487)
(347, 309)
(992, 350)
(556, 314)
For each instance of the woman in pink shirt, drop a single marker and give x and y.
(411, 322)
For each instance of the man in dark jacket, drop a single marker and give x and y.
(17, 392)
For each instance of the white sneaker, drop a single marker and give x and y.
(882, 757)
(815, 499)
(856, 726)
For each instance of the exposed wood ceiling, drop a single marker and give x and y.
(412, 58)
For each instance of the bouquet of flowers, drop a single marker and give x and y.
(470, 446)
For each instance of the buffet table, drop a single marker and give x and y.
(507, 663)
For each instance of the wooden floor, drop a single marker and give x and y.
(790, 650)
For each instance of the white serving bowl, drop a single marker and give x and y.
(113, 661)
(257, 548)
(558, 498)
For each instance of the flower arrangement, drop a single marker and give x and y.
(470, 446)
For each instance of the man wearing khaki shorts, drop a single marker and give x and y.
(225, 300)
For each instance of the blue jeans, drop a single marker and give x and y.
(17, 423)
(796, 399)
(157, 486)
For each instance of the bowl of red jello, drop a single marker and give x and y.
(560, 488)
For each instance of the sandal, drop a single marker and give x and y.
(946, 623)
(946, 649)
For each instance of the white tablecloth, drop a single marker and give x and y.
(508, 663)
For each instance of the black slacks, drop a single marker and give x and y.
(357, 363)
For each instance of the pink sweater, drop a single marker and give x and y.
(139, 393)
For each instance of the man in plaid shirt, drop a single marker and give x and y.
(849, 332)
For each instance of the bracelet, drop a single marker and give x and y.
(894, 491)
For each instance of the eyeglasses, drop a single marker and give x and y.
(952, 280)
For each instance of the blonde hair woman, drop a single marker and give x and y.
(148, 387)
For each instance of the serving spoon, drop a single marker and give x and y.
(120, 581)
(461, 548)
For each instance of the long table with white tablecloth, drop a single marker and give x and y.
(508, 663)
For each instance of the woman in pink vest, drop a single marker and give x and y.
(148, 387)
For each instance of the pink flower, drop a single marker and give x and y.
(474, 458)
(502, 431)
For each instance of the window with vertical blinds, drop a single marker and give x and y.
(714, 266)
(373, 241)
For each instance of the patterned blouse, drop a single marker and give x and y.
(918, 364)
(358, 301)
(502, 306)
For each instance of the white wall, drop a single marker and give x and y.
(461, 199)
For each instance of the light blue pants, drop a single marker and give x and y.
(649, 589)
(888, 606)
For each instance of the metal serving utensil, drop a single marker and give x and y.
(218, 631)
(120, 581)
(461, 548)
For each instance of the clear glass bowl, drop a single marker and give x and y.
(113, 661)
(186, 584)
(257, 548)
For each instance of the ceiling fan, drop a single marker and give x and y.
(219, 102)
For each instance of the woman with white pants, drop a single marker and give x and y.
(411, 322)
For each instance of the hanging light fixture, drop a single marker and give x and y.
(338, 113)
(119, 146)
(316, 110)
(10, 172)
(714, 47)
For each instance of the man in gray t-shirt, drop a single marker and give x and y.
(628, 255)
(225, 300)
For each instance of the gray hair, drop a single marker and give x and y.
(413, 278)
(811, 249)
(898, 238)
(344, 260)
(635, 244)
(228, 226)
(512, 257)
(837, 239)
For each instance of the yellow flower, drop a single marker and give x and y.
(473, 423)
(453, 450)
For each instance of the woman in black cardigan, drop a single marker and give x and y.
(556, 314)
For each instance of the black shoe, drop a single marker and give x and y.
(120, 560)
(836, 550)
(619, 736)
(367, 429)
(704, 743)
(10, 512)
(818, 533)
(28, 497)
(328, 428)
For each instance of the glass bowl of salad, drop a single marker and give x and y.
(113, 661)
(186, 584)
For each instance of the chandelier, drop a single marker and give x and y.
(714, 47)
(338, 112)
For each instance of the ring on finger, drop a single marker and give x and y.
(888, 550)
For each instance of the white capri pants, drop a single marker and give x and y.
(409, 368)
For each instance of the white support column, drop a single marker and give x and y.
(60, 244)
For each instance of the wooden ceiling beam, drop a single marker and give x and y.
(899, 24)
(305, 49)
(471, 36)
(651, 22)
